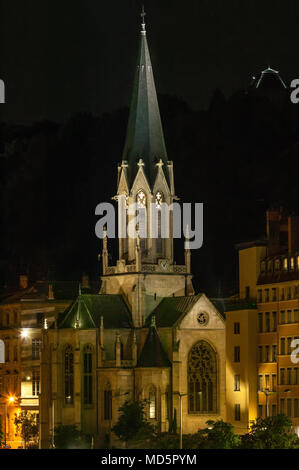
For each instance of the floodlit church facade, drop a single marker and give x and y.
(146, 334)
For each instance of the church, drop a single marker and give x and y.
(146, 334)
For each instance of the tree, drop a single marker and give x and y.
(132, 421)
(69, 437)
(26, 426)
(275, 432)
(218, 435)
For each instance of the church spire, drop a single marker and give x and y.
(145, 139)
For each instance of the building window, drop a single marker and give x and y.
(69, 375)
(142, 226)
(274, 319)
(237, 412)
(296, 376)
(152, 404)
(267, 353)
(289, 316)
(260, 295)
(296, 292)
(237, 354)
(282, 406)
(267, 381)
(36, 347)
(277, 265)
(292, 264)
(289, 376)
(263, 266)
(35, 382)
(15, 353)
(274, 353)
(297, 259)
(282, 317)
(282, 346)
(296, 408)
(274, 410)
(159, 201)
(274, 294)
(260, 322)
(267, 322)
(289, 342)
(260, 411)
(237, 383)
(247, 293)
(282, 377)
(7, 351)
(296, 316)
(260, 355)
(282, 293)
(237, 328)
(289, 293)
(87, 375)
(267, 297)
(260, 383)
(289, 407)
(285, 264)
(202, 379)
(273, 382)
(108, 404)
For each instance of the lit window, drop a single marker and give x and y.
(237, 383)
(69, 375)
(152, 404)
(285, 264)
(292, 263)
(35, 382)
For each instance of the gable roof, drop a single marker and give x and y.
(169, 311)
(88, 310)
(153, 354)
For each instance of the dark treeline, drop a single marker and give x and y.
(238, 157)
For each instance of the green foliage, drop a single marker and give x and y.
(275, 432)
(69, 437)
(132, 421)
(218, 435)
(26, 426)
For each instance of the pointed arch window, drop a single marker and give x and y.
(142, 228)
(87, 375)
(69, 375)
(159, 201)
(152, 403)
(202, 379)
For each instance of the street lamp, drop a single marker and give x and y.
(181, 395)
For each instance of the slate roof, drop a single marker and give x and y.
(63, 290)
(153, 354)
(89, 309)
(171, 309)
(145, 138)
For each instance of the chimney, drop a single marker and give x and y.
(51, 293)
(23, 281)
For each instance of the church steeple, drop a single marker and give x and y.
(145, 139)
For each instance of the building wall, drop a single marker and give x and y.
(246, 396)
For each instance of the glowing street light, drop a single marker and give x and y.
(24, 333)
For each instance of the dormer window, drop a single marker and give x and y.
(277, 265)
(270, 266)
(285, 264)
(292, 264)
(263, 266)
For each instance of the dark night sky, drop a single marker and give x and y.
(59, 57)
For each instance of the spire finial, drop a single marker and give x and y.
(143, 15)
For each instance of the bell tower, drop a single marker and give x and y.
(145, 197)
